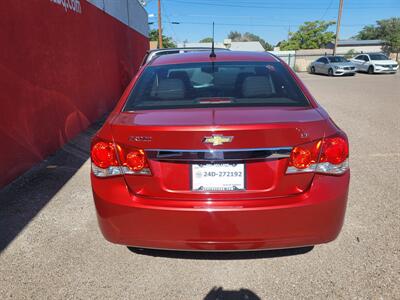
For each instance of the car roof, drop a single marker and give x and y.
(151, 54)
(204, 56)
(185, 49)
(375, 53)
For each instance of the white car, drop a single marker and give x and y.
(375, 63)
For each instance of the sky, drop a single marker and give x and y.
(269, 19)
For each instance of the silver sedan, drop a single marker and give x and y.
(333, 66)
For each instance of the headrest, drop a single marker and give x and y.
(170, 89)
(257, 87)
(178, 74)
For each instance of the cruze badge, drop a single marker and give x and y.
(217, 139)
(140, 138)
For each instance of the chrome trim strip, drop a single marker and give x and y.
(207, 155)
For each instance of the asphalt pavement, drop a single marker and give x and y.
(51, 246)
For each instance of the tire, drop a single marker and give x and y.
(312, 70)
(370, 70)
(330, 72)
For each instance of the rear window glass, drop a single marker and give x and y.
(226, 84)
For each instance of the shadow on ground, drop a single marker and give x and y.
(221, 294)
(23, 199)
(221, 255)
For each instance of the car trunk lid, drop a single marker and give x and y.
(174, 141)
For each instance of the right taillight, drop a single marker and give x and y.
(329, 156)
(335, 150)
(111, 159)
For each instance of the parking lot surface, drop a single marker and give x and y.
(51, 246)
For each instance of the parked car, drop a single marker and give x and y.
(165, 51)
(332, 66)
(219, 153)
(375, 63)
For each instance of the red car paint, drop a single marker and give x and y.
(276, 210)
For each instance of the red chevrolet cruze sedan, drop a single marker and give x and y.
(219, 153)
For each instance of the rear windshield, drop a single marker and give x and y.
(226, 84)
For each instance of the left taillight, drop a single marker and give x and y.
(111, 159)
(103, 155)
(328, 156)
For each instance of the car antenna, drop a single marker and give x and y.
(212, 54)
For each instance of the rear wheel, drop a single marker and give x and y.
(312, 70)
(371, 70)
(330, 72)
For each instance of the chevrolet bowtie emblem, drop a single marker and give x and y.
(217, 139)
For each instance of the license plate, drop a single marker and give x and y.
(218, 177)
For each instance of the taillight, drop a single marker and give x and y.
(110, 159)
(136, 160)
(103, 155)
(334, 150)
(329, 155)
(302, 157)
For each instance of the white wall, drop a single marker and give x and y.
(357, 49)
(129, 12)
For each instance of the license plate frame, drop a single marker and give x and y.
(226, 182)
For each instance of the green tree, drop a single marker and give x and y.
(236, 36)
(167, 41)
(206, 40)
(310, 35)
(250, 37)
(387, 30)
(351, 53)
(369, 32)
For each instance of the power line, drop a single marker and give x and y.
(326, 11)
(287, 7)
(169, 22)
(255, 25)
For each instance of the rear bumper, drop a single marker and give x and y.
(311, 218)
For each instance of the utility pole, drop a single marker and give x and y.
(339, 18)
(160, 45)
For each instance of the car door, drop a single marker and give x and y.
(365, 62)
(324, 65)
(358, 61)
(321, 66)
(317, 65)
